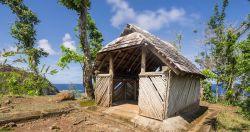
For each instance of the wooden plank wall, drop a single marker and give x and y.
(152, 96)
(184, 94)
(103, 90)
(124, 89)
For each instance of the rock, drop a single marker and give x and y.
(50, 91)
(11, 124)
(4, 109)
(54, 127)
(64, 96)
(6, 102)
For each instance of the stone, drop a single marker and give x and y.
(54, 127)
(4, 109)
(6, 102)
(11, 124)
(64, 96)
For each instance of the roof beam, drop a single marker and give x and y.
(134, 53)
(164, 59)
(137, 57)
(103, 60)
(124, 56)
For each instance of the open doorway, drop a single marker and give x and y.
(127, 67)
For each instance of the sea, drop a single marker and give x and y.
(80, 88)
(64, 87)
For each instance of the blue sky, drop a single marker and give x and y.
(164, 18)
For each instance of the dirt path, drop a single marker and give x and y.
(206, 122)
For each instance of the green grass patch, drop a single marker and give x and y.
(232, 121)
(87, 103)
(4, 129)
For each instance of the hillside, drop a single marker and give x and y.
(17, 81)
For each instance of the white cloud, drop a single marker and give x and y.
(149, 20)
(45, 45)
(68, 42)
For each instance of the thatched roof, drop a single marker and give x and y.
(133, 36)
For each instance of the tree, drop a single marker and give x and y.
(90, 43)
(24, 31)
(222, 55)
(177, 42)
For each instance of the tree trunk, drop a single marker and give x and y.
(87, 70)
(216, 90)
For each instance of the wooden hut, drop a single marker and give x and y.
(139, 66)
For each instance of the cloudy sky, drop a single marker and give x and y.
(164, 18)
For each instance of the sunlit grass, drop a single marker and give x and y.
(232, 121)
(87, 103)
(4, 129)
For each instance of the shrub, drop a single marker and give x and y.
(245, 108)
(207, 91)
(22, 83)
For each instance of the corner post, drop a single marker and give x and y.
(143, 59)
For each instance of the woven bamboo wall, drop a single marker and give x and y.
(103, 90)
(184, 94)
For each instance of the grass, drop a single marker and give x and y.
(231, 121)
(87, 103)
(4, 129)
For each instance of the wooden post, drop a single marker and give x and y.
(135, 87)
(111, 73)
(143, 60)
(111, 65)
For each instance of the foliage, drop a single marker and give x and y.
(245, 108)
(69, 56)
(207, 91)
(177, 43)
(16, 81)
(4, 129)
(208, 73)
(22, 83)
(207, 85)
(24, 31)
(226, 53)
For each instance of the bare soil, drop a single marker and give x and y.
(79, 119)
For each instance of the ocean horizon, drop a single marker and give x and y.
(80, 88)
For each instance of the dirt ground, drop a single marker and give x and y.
(80, 119)
(77, 120)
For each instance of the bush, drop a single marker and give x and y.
(207, 91)
(245, 108)
(22, 83)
